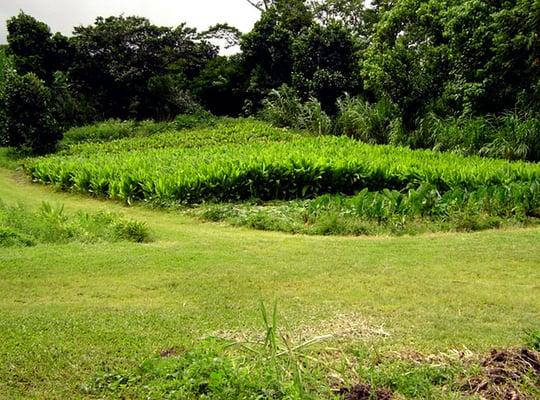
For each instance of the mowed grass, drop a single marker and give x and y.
(69, 312)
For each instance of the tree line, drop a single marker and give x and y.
(394, 70)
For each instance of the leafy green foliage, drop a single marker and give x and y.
(223, 131)
(389, 212)
(466, 56)
(221, 85)
(511, 136)
(267, 49)
(132, 68)
(116, 129)
(283, 108)
(50, 224)
(300, 168)
(26, 114)
(6, 63)
(33, 47)
(325, 64)
(378, 123)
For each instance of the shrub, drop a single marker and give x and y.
(9, 237)
(51, 224)
(377, 123)
(196, 120)
(114, 129)
(283, 108)
(516, 137)
(132, 231)
(26, 114)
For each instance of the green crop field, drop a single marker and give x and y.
(180, 314)
(249, 160)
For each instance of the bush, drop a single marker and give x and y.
(516, 137)
(50, 224)
(196, 120)
(27, 115)
(132, 231)
(114, 129)
(377, 123)
(511, 136)
(283, 108)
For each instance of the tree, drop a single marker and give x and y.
(495, 55)
(30, 44)
(221, 85)
(6, 62)
(456, 57)
(325, 64)
(407, 60)
(267, 49)
(118, 60)
(26, 114)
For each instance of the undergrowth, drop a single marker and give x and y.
(116, 129)
(388, 212)
(20, 226)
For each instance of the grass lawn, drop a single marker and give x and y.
(68, 312)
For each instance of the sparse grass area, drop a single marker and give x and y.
(73, 314)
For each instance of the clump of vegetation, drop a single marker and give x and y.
(115, 129)
(511, 136)
(51, 224)
(283, 108)
(389, 212)
(225, 131)
(377, 123)
(27, 117)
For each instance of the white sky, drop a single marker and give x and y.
(63, 15)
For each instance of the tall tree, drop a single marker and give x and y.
(34, 48)
(267, 49)
(119, 57)
(325, 64)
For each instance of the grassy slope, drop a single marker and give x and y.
(70, 311)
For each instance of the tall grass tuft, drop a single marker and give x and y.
(510, 136)
(283, 108)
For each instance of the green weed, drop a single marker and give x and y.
(50, 224)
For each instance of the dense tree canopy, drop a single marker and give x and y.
(408, 61)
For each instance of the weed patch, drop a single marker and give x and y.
(51, 224)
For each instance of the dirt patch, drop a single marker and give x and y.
(365, 392)
(504, 374)
(171, 352)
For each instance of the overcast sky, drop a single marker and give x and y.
(63, 15)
